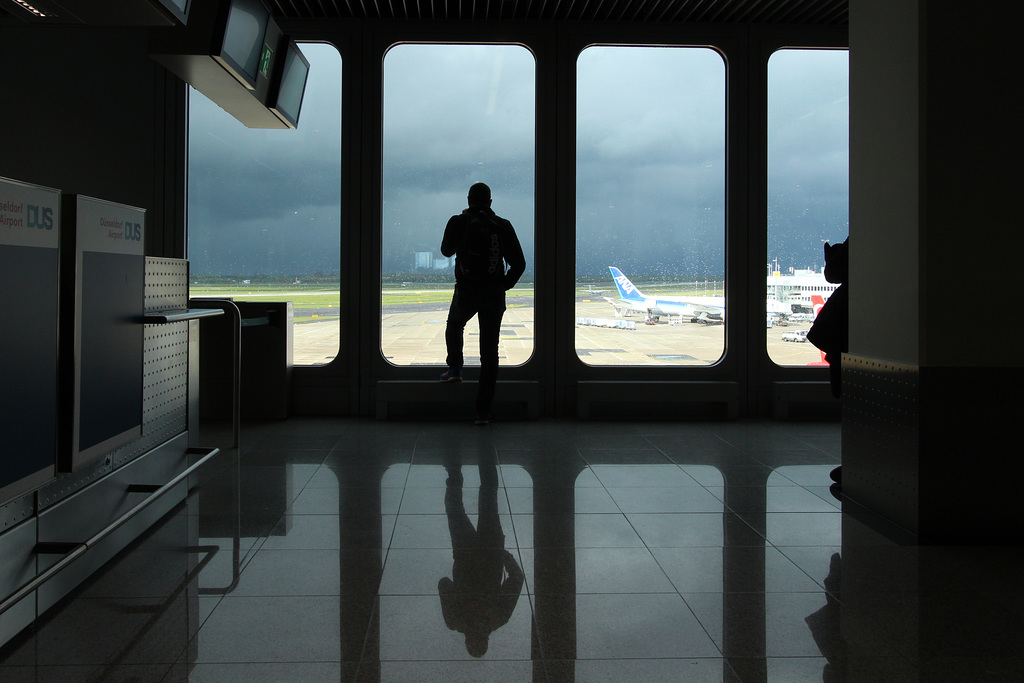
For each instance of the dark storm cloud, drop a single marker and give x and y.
(455, 115)
(650, 160)
(458, 104)
(241, 173)
(267, 201)
(808, 176)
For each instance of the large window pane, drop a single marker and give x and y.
(264, 208)
(808, 191)
(453, 115)
(650, 202)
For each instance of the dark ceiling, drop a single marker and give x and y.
(820, 12)
(814, 12)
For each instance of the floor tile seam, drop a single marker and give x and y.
(315, 513)
(457, 661)
(692, 480)
(640, 659)
(619, 512)
(682, 593)
(704, 627)
(306, 487)
(202, 620)
(248, 554)
(374, 617)
(654, 557)
(741, 512)
(852, 620)
(286, 449)
(579, 592)
(515, 532)
(406, 515)
(699, 621)
(794, 482)
(646, 487)
(676, 458)
(337, 593)
(432, 594)
(646, 546)
(799, 435)
(343, 662)
(535, 625)
(394, 527)
(819, 582)
(260, 662)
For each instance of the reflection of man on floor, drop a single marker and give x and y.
(825, 627)
(486, 581)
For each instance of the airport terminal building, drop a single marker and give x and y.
(226, 450)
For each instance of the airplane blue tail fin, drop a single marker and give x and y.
(627, 290)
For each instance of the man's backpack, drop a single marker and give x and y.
(480, 257)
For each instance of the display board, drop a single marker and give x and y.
(103, 273)
(230, 50)
(29, 250)
(289, 84)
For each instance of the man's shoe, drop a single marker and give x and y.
(451, 375)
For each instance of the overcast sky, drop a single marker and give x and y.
(455, 115)
(650, 160)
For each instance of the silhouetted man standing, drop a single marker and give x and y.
(488, 261)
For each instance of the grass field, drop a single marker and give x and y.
(318, 297)
(413, 333)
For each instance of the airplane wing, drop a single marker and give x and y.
(627, 304)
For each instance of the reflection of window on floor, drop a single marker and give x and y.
(649, 550)
(453, 115)
(264, 208)
(802, 560)
(448, 591)
(650, 201)
(808, 191)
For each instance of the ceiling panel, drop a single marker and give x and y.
(820, 12)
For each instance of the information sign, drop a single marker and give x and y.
(109, 303)
(266, 60)
(29, 274)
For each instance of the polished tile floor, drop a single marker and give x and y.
(355, 550)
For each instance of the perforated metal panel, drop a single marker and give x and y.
(165, 380)
(166, 284)
(881, 436)
(165, 389)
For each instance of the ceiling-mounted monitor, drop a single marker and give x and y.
(178, 8)
(289, 84)
(229, 52)
(243, 50)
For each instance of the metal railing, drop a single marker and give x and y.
(73, 551)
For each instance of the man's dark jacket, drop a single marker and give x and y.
(483, 243)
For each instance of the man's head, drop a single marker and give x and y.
(476, 642)
(479, 195)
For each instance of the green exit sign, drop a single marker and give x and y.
(266, 60)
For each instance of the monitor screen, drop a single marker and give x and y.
(292, 86)
(178, 8)
(244, 33)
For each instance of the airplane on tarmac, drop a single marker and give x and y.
(817, 301)
(706, 310)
